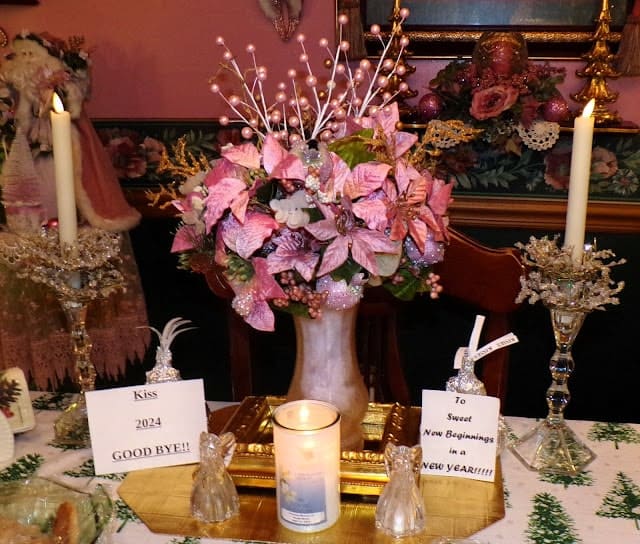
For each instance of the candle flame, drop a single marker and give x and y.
(588, 109)
(57, 104)
(304, 414)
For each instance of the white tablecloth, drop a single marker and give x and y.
(600, 505)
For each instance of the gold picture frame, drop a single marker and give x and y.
(449, 28)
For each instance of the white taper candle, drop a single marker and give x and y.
(63, 161)
(579, 182)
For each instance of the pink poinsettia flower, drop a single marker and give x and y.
(227, 188)
(363, 180)
(246, 238)
(406, 210)
(385, 122)
(227, 185)
(280, 163)
(404, 173)
(419, 210)
(253, 296)
(438, 200)
(341, 227)
(293, 253)
(246, 155)
(185, 239)
(224, 193)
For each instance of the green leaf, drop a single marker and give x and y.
(354, 149)
(346, 271)
(464, 180)
(407, 289)
(266, 192)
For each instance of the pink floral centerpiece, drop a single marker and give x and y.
(325, 197)
(329, 197)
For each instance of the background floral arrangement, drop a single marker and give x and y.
(327, 197)
(499, 91)
(136, 150)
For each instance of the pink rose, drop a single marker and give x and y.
(491, 102)
(558, 167)
(604, 163)
(125, 157)
(153, 149)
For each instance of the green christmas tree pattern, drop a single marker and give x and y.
(87, 470)
(622, 501)
(614, 432)
(549, 523)
(52, 401)
(581, 479)
(22, 468)
(125, 514)
(506, 493)
(65, 447)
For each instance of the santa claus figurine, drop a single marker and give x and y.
(38, 66)
(32, 326)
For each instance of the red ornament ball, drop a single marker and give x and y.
(430, 106)
(556, 110)
(52, 223)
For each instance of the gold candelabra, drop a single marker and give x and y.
(599, 68)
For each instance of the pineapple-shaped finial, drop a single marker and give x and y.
(163, 371)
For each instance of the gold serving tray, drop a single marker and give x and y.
(454, 507)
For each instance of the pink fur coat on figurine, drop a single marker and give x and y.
(38, 66)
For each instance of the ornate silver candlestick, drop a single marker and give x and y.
(78, 274)
(570, 290)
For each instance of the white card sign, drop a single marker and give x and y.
(459, 434)
(154, 425)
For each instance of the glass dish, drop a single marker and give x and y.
(36, 501)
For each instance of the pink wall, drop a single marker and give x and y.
(152, 58)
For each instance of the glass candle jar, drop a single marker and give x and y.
(306, 437)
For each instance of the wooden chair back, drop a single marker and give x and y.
(486, 279)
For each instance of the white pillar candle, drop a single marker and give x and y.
(63, 161)
(579, 182)
(306, 437)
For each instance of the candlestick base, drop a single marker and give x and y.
(552, 448)
(72, 427)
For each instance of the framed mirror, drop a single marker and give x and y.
(449, 28)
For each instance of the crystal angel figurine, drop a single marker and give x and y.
(400, 509)
(214, 496)
(163, 371)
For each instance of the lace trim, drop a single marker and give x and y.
(540, 135)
